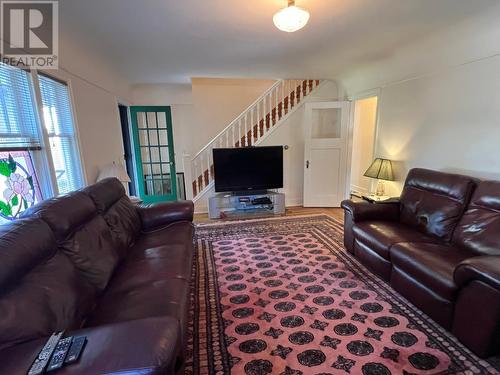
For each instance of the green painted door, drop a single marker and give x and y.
(154, 153)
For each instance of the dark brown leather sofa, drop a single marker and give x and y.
(94, 264)
(439, 246)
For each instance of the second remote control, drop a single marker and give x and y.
(75, 350)
(59, 355)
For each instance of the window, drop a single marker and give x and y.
(25, 175)
(58, 120)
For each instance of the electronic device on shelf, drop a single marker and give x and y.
(248, 169)
(261, 200)
(41, 361)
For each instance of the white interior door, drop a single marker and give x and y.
(326, 138)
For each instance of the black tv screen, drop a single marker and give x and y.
(251, 168)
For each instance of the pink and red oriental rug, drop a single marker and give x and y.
(282, 296)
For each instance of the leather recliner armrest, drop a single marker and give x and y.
(362, 211)
(482, 268)
(158, 215)
(155, 349)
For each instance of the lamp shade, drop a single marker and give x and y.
(381, 169)
(113, 170)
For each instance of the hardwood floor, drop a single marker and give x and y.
(337, 213)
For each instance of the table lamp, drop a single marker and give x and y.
(113, 170)
(381, 169)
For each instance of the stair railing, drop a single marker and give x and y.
(251, 126)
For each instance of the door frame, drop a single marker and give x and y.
(344, 106)
(137, 153)
(360, 96)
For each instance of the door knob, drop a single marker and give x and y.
(307, 164)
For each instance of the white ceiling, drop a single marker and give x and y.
(152, 41)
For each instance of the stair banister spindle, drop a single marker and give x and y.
(285, 100)
(245, 134)
(252, 123)
(270, 99)
(265, 112)
(258, 116)
(282, 98)
(200, 180)
(239, 133)
(276, 92)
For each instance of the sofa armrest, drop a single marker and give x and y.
(150, 346)
(160, 214)
(476, 320)
(362, 211)
(482, 268)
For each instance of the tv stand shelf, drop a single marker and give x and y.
(244, 205)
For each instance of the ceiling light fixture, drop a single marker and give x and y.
(291, 18)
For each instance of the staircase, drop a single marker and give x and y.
(251, 127)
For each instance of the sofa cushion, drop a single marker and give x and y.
(432, 265)
(91, 249)
(479, 228)
(379, 236)
(64, 214)
(146, 346)
(125, 224)
(180, 233)
(47, 293)
(82, 234)
(160, 298)
(105, 193)
(23, 244)
(155, 264)
(433, 202)
(117, 210)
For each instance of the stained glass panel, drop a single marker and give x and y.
(18, 183)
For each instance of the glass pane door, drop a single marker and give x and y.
(154, 153)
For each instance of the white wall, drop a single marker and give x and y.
(218, 101)
(179, 98)
(96, 89)
(446, 122)
(439, 104)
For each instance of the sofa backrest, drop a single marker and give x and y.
(119, 213)
(82, 234)
(434, 202)
(479, 228)
(40, 289)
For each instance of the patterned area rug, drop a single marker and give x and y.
(282, 296)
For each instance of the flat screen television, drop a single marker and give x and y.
(248, 169)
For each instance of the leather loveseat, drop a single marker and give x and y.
(439, 246)
(94, 264)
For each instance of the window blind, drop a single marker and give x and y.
(59, 123)
(18, 122)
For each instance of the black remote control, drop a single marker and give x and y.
(59, 354)
(43, 357)
(75, 350)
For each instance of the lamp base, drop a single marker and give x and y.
(380, 188)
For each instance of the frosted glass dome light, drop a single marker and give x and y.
(291, 18)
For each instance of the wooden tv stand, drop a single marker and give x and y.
(245, 205)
